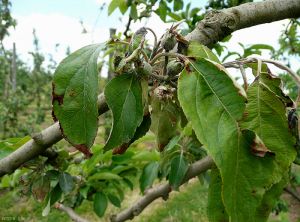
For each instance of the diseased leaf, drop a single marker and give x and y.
(266, 115)
(178, 4)
(216, 211)
(75, 90)
(124, 97)
(215, 104)
(163, 121)
(100, 203)
(201, 51)
(66, 182)
(179, 167)
(139, 133)
(40, 188)
(148, 176)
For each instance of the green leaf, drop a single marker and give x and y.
(164, 118)
(201, 51)
(133, 12)
(121, 4)
(178, 4)
(114, 200)
(100, 203)
(148, 176)
(66, 182)
(55, 194)
(124, 97)
(215, 104)
(105, 176)
(162, 10)
(179, 167)
(270, 199)
(215, 208)
(75, 91)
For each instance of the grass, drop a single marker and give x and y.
(188, 205)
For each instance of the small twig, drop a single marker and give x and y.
(71, 213)
(235, 64)
(244, 76)
(165, 64)
(171, 54)
(127, 27)
(155, 37)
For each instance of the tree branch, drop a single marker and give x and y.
(71, 213)
(38, 144)
(218, 24)
(161, 191)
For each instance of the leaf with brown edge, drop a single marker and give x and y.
(74, 97)
(259, 148)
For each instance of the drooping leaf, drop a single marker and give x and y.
(148, 176)
(179, 167)
(75, 90)
(271, 81)
(124, 97)
(114, 200)
(215, 104)
(266, 115)
(100, 203)
(201, 51)
(163, 121)
(66, 182)
(140, 132)
(216, 211)
(40, 188)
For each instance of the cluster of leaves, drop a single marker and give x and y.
(6, 20)
(167, 10)
(245, 132)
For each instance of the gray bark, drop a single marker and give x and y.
(218, 24)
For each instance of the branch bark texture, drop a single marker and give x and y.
(71, 213)
(38, 144)
(161, 191)
(218, 24)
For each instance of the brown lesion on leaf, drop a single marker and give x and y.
(55, 97)
(84, 149)
(121, 149)
(259, 149)
(58, 98)
(72, 93)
